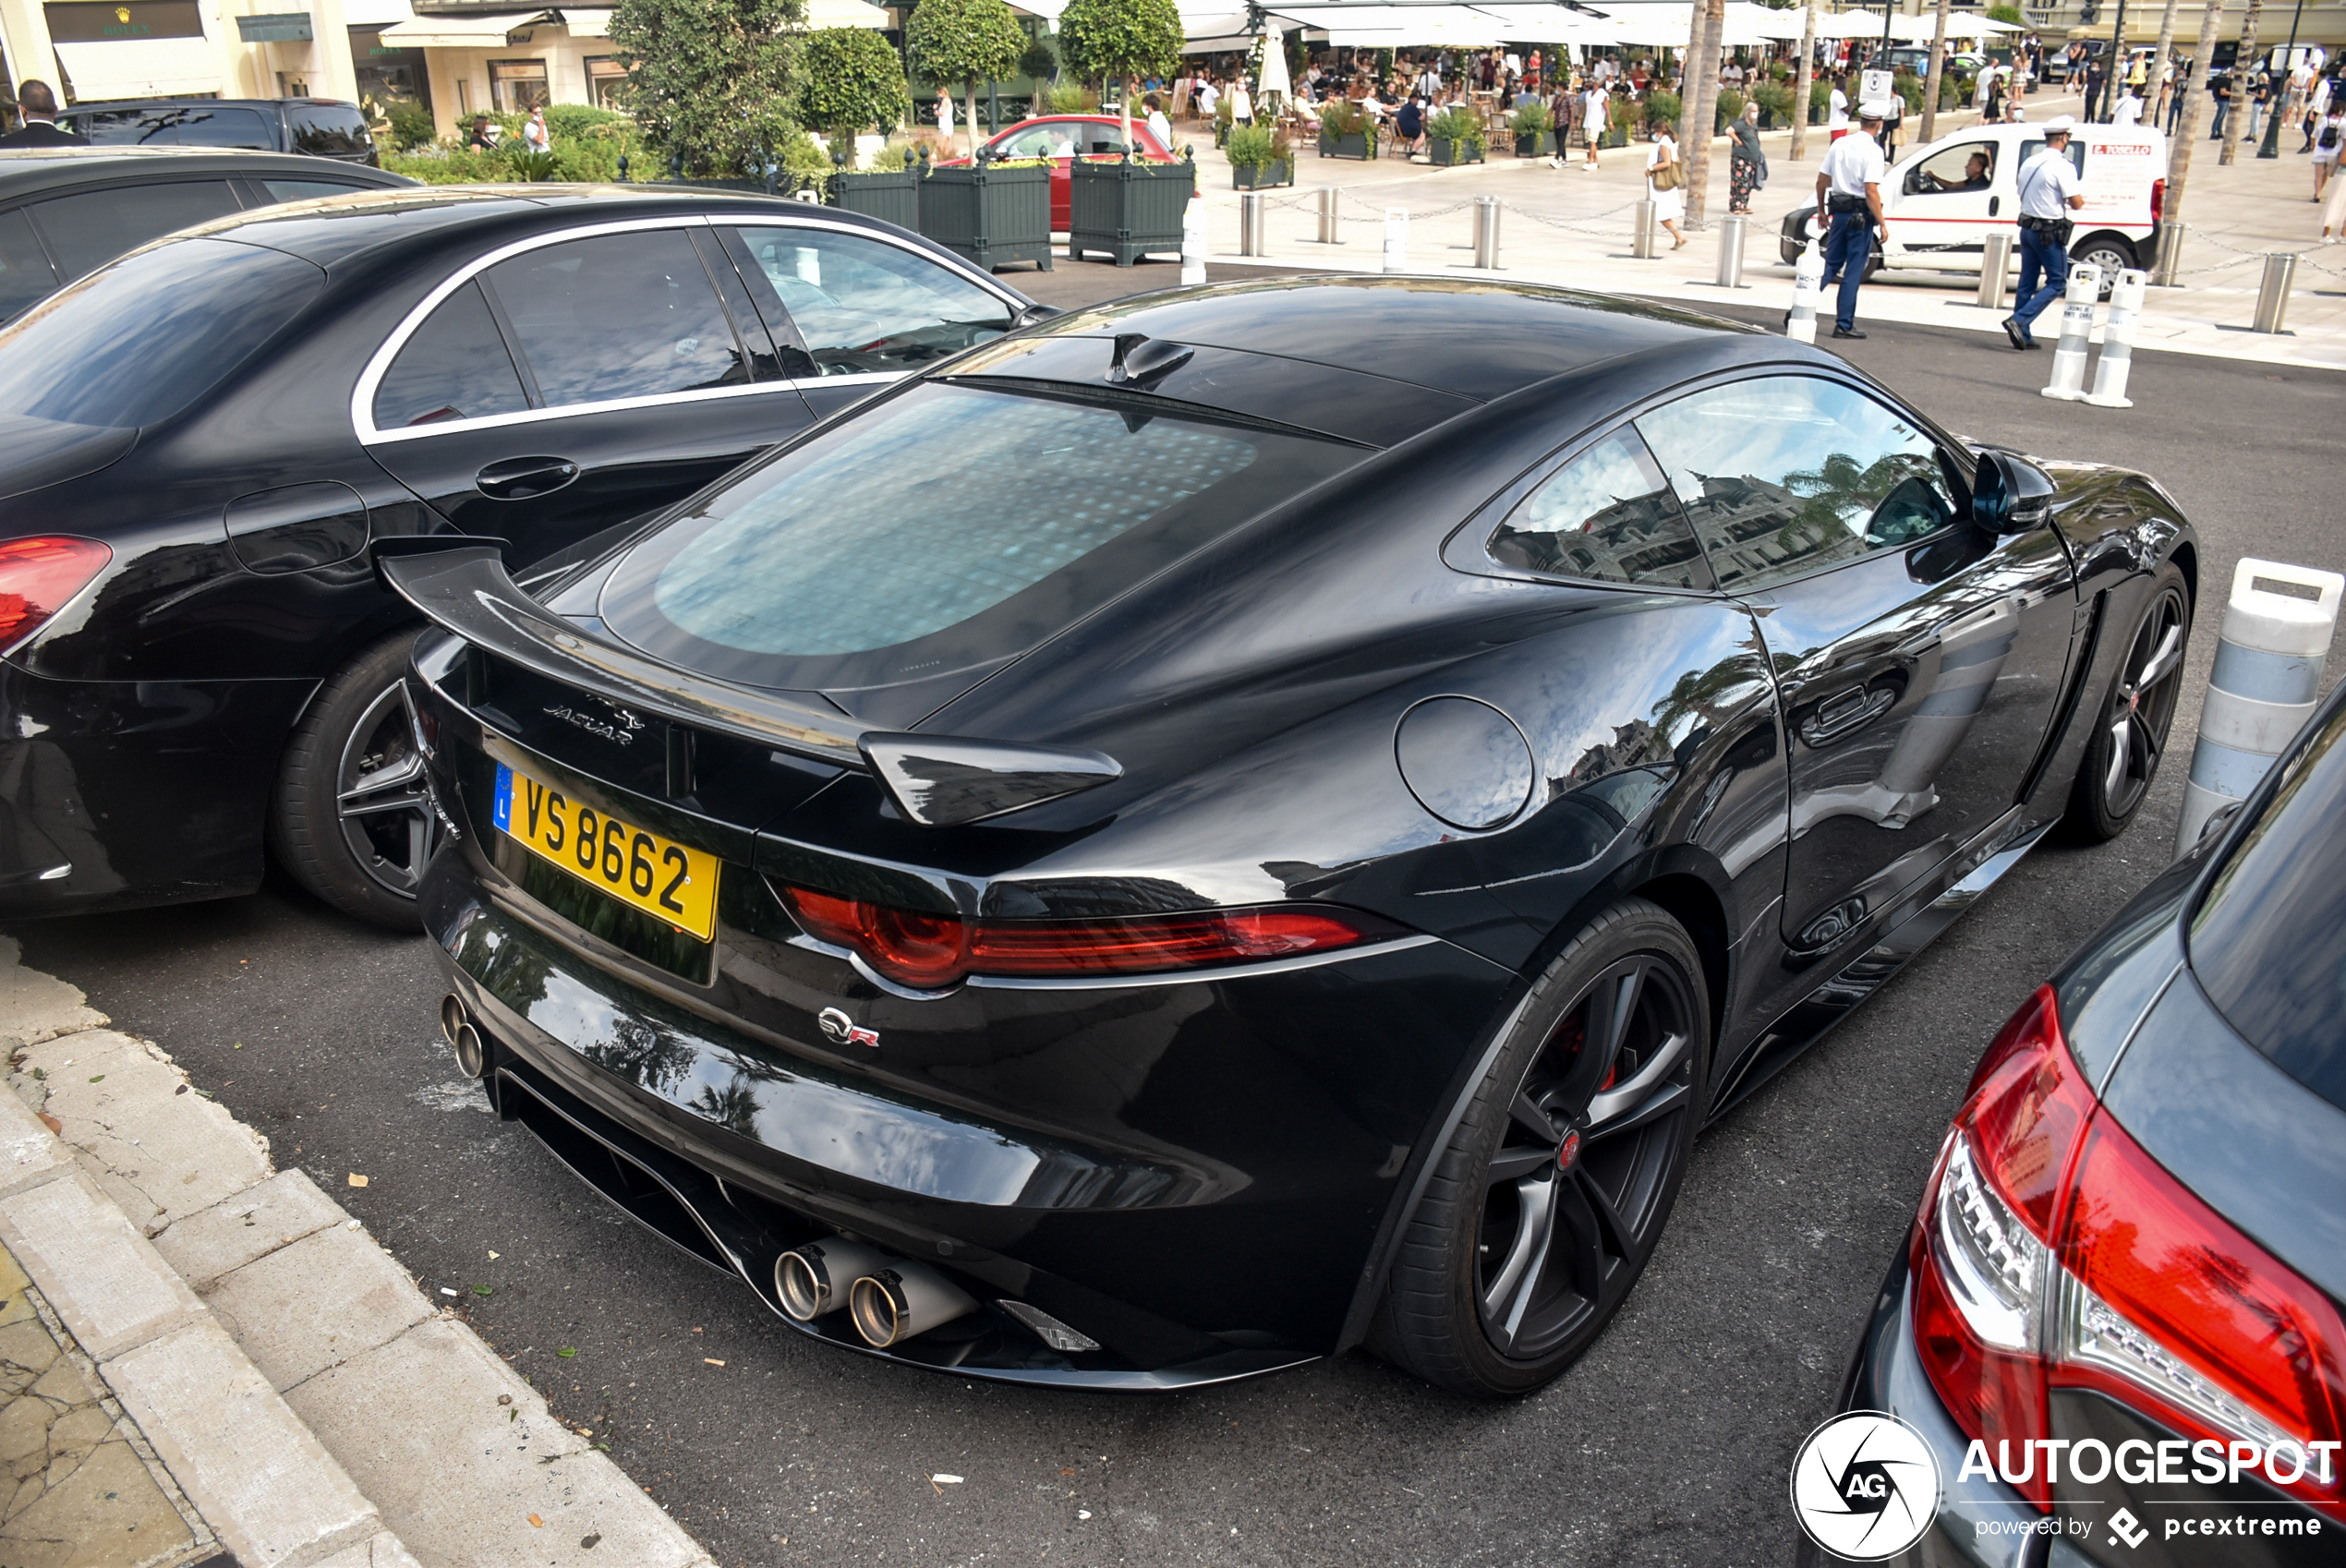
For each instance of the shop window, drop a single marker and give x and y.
(516, 87)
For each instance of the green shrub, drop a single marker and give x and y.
(1774, 99)
(1071, 98)
(1225, 111)
(1819, 100)
(1041, 61)
(411, 123)
(1249, 146)
(1461, 125)
(574, 120)
(1661, 108)
(851, 81)
(1531, 119)
(893, 158)
(2006, 13)
(530, 164)
(1344, 118)
(1730, 105)
(1908, 86)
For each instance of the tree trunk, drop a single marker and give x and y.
(2187, 134)
(2243, 63)
(1931, 82)
(1125, 108)
(1802, 81)
(969, 112)
(1697, 104)
(2159, 62)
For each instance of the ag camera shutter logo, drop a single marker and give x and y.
(1865, 1486)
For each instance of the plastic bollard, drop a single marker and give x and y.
(1397, 239)
(1807, 289)
(2076, 330)
(1193, 244)
(2267, 676)
(1645, 242)
(2118, 341)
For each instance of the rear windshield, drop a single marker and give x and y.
(947, 527)
(328, 129)
(2270, 944)
(136, 342)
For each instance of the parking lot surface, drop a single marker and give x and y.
(1670, 1442)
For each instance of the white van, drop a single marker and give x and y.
(1943, 201)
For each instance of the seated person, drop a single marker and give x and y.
(1408, 124)
(1977, 172)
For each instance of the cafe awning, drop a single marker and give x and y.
(139, 67)
(462, 33)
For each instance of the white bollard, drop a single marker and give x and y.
(1194, 243)
(2068, 381)
(2267, 676)
(2118, 341)
(1807, 289)
(1397, 239)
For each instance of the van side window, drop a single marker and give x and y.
(1967, 165)
(2076, 152)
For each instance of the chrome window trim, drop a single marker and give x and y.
(362, 397)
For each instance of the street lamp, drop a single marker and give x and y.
(2270, 146)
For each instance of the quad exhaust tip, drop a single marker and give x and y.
(812, 1279)
(456, 1028)
(892, 1304)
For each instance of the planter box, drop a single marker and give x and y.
(1449, 154)
(990, 217)
(1261, 176)
(1222, 133)
(1616, 136)
(1127, 210)
(893, 197)
(1534, 144)
(1358, 145)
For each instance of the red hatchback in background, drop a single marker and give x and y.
(1059, 137)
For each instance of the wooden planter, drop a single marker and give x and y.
(893, 197)
(1263, 176)
(1535, 144)
(1448, 154)
(1360, 145)
(991, 217)
(1127, 210)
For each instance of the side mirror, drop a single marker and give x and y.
(2010, 495)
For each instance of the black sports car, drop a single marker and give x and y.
(199, 443)
(1245, 820)
(2124, 1305)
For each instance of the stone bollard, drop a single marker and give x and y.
(2267, 675)
(2118, 341)
(2076, 331)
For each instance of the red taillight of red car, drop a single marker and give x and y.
(2053, 1251)
(38, 575)
(916, 948)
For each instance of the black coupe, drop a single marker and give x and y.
(1248, 820)
(199, 443)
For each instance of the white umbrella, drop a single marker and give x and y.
(1273, 76)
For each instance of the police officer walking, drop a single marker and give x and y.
(1849, 200)
(2049, 193)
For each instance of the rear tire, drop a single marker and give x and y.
(1547, 1200)
(353, 819)
(2110, 252)
(2133, 718)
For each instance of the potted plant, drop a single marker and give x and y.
(889, 189)
(992, 212)
(1120, 41)
(1535, 133)
(1775, 104)
(1126, 207)
(1347, 132)
(1729, 110)
(1260, 159)
(1225, 118)
(1819, 101)
(1620, 114)
(1454, 136)
(967, 41)
(852, 81)
(1662, 108)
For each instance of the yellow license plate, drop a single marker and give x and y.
(666, 880)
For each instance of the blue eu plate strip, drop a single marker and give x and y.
(504, 798)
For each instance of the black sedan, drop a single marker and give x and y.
(1230, 825)
(199, 443)
(2121, 1308)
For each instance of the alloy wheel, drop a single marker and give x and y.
(1572, 1197)
(382, 797)
(2142, 705)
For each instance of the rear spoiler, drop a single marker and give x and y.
(935, 780)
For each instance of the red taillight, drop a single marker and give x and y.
(2158, 198)
(38, 575)
(929, 950)
(2053, 1252)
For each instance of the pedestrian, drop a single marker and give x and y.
(1849, 200)
(2326, 146)
(2096, 79)
(1594, 110)
(37, 102)
(945, 117)
(2221, 90)
(1747, 164)
(2129, 111)
(2334, 212)
(1242, 107)
(1665, 184)
(533, 131)
(1837, 110)
(1159, 126)
(484, 135)
(2049, 191)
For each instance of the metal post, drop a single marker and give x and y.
(1331, 222)
(1993, 264)
(2270, 148)
(1486, 232)
(1730, 232)
(1253, 241)
(2171, 254)
(2272, 298)
(1642, 241)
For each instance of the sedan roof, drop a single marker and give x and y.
(26, 171)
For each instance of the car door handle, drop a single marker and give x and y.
(1995, 204)
(520, 479)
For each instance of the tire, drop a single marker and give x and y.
(2130, 722)
(353, 819)
(2110, 252)
(1478, 1302)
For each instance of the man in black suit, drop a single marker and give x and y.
(38, 106)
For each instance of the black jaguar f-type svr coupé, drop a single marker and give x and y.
(1251, 820)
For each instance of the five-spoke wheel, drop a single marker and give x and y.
(2122, 755)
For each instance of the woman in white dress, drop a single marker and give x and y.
(1595, 109)
(1669, 205)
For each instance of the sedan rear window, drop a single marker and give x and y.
(138, 341)
(2270, 943)
(945, 528)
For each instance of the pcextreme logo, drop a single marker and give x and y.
(1865, 1486)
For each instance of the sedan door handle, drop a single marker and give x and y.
(520, 479)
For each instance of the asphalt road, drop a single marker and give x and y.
(1669, 1444)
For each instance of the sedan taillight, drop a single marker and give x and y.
(2053, 1251)
(38, 575)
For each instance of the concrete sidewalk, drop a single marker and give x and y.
(206, 1361)
(1573, 228)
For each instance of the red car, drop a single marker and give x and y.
(1059, 137)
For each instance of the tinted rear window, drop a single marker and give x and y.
(225, 128)
(944, 529)
(140, 341)
(2270, 943)
(327, 129)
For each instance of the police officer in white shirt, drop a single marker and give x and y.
(2049, 193)
(1849, 202)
